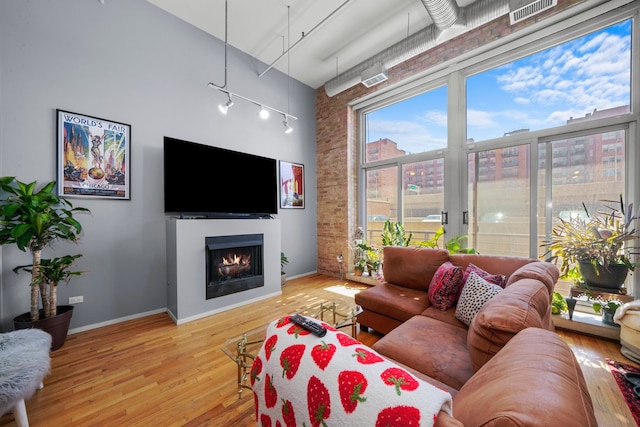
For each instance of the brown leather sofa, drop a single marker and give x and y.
(507, 367)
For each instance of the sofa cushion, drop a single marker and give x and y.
(475, 293)
(534, 381)
(545, 272)
(493, 264)
(393, 301)
(412, 267)
(445, 286)
(435, 348)
(519, 306)
(496, 279)
(447, 316)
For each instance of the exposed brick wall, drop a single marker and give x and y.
(336, 138)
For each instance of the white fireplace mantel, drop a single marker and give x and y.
(186, 252)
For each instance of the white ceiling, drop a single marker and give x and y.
(333, 42)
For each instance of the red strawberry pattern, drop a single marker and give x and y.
(270, 346)
(297, 331)
(351, 385)
(284, 321)
(322, 354)
(400, 416)
(346, 340)
(366, 357)
(288, 415)
(270, 393)
(256, 369)
(401, 379)
(265, 420)
(290, 360)
(318, 402)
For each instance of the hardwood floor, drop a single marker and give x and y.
(150, 372)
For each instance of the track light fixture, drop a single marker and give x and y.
(264, 109)
(287, 128)
(225, 108)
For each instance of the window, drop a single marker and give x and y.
(578, 80)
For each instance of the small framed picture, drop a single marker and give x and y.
(291, 185)
(93, 157)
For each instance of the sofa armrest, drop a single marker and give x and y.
(535, 380)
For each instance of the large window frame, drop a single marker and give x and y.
(539, 36)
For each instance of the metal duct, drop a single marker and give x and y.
(477, 13)
(444, 13)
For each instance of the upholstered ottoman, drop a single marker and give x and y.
(24, 362)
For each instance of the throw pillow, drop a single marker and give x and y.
(475, 293)
(446, 286)
(496, 279)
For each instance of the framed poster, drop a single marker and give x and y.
(93, 157)
(291, 185)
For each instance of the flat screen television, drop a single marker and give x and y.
(205, 181)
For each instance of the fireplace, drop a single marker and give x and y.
(233, 264)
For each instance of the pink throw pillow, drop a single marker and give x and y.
(446, 286)
(496, 279)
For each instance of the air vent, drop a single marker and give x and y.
(374, 75)
(519, 10)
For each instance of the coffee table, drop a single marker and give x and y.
(244, 348)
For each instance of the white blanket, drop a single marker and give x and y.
(620, 312)
(300, 379)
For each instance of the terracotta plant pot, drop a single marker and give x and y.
(56, 326)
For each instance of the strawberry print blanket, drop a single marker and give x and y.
(299, 379)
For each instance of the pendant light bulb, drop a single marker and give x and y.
(264, 113)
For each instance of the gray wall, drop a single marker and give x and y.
(130, 62)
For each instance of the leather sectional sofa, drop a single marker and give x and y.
(506, 367)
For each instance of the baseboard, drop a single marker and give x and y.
(115, 321)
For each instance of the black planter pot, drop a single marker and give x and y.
(56, 326)
(609, 278)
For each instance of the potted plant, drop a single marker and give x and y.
(283, 261)
(394, 234)
(33, 220)
(608, 309)
(595, 246)
(455, 245)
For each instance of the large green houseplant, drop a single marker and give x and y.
(599, 247)
(32, 220)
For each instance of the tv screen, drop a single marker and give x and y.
(202, 180)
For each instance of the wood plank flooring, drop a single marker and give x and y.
(150, 372)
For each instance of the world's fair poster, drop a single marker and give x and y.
(93, 157)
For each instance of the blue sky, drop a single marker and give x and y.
(540, 91)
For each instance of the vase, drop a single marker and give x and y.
(571, 306)
(609, 278)
(56, 326)
(607, 317)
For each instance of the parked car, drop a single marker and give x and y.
(377, 217)
(433, 218)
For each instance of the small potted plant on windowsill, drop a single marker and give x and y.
(608, 309)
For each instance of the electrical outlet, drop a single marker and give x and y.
(76, 300)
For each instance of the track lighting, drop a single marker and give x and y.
(225, 108)
(264, 109)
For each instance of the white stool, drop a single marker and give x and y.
(24, 362)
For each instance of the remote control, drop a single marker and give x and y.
(313, 327)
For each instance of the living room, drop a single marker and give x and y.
(132, 63)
